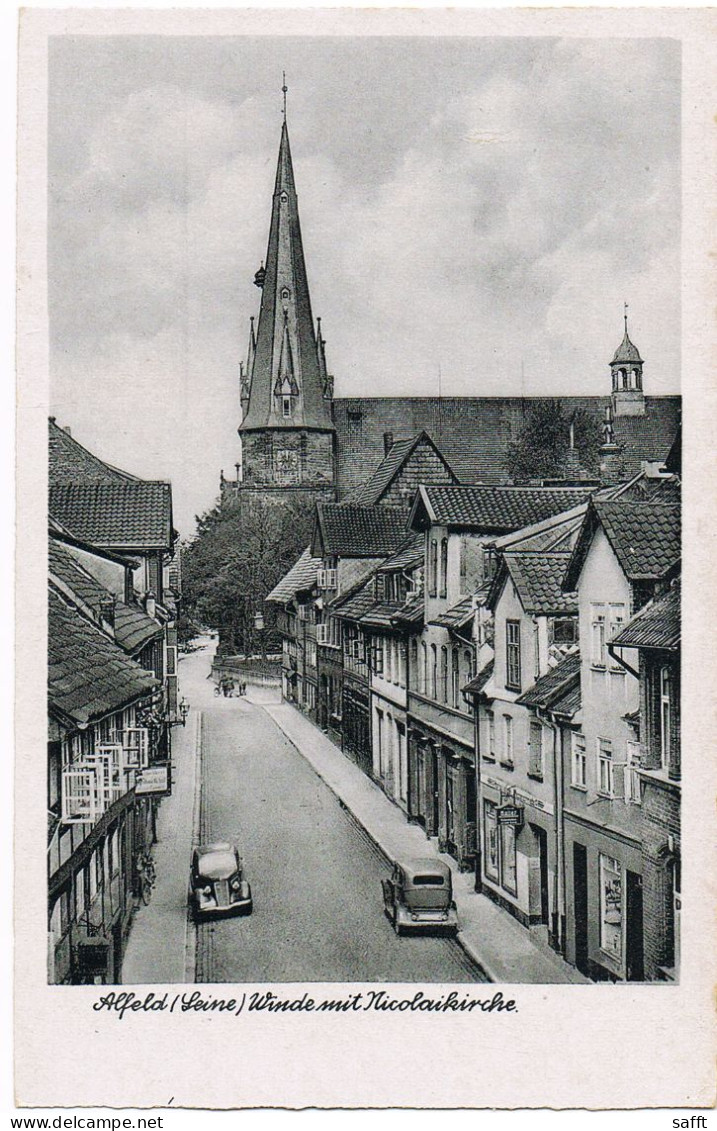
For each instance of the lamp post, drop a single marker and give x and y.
(259, 626)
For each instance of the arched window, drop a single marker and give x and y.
(467, 670)
(444, 674)
(444, 567)
(456, 679)
(434, 672)
(635, 378)
(623, 378)
(424, 669)
(432, 568)
(414, 664)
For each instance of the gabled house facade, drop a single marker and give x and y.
(625, 552)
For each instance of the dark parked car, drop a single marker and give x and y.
(217, 883)
(419, 897)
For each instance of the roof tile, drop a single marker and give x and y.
(136, 514)
(354, 531)
(657, 625)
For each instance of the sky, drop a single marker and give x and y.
(474, 214)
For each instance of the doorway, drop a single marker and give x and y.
(634, 951)
(580, 902)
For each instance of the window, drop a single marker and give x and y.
(489, 735)
(490, 847)
(617, 619)
(610, 906)
(605, 767)
(598, 651)
(512, 653)
(535, 752)
(508, 860)
(665, 716)
(424, 668)
(444, 567)
(507, 758)
(378, 655)
(402, 762)
(444, 674)
(578, 775)
(434, 672)
(536, 649)
(632, 776)
(432, 567)
(455, 679)
(489, 562)
(564, 630)
(414, 665)
(286, 406)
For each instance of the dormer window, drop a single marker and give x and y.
(284, 198)
(286, 406)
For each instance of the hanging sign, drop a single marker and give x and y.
(511, 815)
(155, 780)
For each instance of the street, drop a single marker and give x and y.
(315, 874)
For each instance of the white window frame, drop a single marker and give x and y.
(617, 619)
(605, 767)
(632, 776)
(81, 795)
(513, 658)
(598, 636)
(578, 761)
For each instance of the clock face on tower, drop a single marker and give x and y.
(286, 464)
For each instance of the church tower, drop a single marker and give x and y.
(628, 398)
(287, 429)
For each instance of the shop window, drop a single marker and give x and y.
(490, 847)
(512, 648)
(578, 777)
(611, 906)
(508, 859)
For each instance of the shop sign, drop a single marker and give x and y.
(511, 815)
(155, 780)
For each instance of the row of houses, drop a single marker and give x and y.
(503, 662)
(114, 588)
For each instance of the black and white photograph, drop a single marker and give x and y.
(364, 365)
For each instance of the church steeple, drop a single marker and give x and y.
(628, 398)
(286, 327)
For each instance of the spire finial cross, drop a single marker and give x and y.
(625, 315)
(284, 89)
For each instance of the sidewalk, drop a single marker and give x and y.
(160, 946)
(504, 949)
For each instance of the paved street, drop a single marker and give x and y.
(315, 875)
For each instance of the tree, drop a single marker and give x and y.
(542, 448)
(242, 548)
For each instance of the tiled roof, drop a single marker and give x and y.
(380, 616)
(655, 626)
(409, 555)
(132, 515)
(371, 492)
(552, 686)
(411, 614)
(69, 462)
(626, 351)
(645, 537)
(479, 681)
(356, 603)
(133, 628)
(473, 433)
(68, 571)
(458, 616)
(538, 579)
(353, 531)
(493, 508)
(647, 489)
(569, 702)
(89, 676)
(301, 576)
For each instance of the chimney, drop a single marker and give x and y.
(107, 611)
(573, 470)
(387, 442)
(150, 604)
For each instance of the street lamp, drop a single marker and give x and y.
(259, 621)
(184, 710)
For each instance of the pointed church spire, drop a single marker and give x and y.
(286, 327)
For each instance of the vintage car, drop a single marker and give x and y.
(419, 897)
(217, 883)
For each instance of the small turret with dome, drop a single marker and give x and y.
(628, 398)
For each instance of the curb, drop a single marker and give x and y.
(466, 947)
(190, 931)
